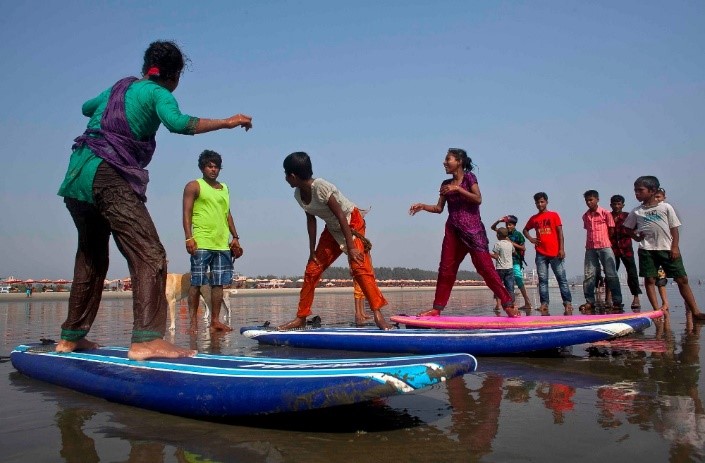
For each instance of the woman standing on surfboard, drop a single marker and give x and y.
(104, 190)
(465, 233)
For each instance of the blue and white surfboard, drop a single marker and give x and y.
(228, 386)
(436, 341)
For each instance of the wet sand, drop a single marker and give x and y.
(638, 399)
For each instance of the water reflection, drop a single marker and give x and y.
(86, 425)
(666, 398)
(641, 392)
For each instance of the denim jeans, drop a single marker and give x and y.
(507, 277)
(556, 263)
(593, 259)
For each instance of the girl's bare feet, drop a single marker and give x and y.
(70, 346)
(158, 348)
(430, 313)
(512, 312)
(298, 322)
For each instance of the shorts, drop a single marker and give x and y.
(650, 261)
(518, 275)
(220, 264)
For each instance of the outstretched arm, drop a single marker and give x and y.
(436, 209)
(238, 120)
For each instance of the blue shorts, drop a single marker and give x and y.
(220, 264)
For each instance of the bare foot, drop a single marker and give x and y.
(298, 322)
(430, 313)
(380, 321)
(512, 312)
(543, 309)
(156, 349)
(219, 326)
(361, 321)
(70, 346)
(361, 317)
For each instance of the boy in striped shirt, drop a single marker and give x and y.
(599, 224)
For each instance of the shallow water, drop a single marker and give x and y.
(639, 398)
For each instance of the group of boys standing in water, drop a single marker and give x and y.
(105, 192)
(609, 235)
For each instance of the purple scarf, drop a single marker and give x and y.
(115, 143)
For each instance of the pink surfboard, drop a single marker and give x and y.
(533, 321)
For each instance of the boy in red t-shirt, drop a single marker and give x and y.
(549, 251)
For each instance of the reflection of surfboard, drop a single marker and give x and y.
(472, 323)
(226, 386)
(424, 341)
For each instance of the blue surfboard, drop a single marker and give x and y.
(228, 386)
(435, 341)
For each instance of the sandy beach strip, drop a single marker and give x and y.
(64, 295)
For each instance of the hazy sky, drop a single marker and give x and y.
(554, 96)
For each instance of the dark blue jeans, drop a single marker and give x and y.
(507, 277)
(556, 263)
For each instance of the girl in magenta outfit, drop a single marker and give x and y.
(465, 233)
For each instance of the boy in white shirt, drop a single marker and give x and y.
(655, 225)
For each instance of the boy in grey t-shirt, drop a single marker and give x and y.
(502, 253)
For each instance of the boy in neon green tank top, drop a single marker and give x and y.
(208, 225)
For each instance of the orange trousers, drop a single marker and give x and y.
(327, 251)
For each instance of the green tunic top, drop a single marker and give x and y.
(147, 105)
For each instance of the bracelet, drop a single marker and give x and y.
(189, 239)
(236, 237)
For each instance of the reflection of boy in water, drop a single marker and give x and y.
(558, 398)
(680, 415)
(476, 421)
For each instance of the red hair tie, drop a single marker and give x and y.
(153, 71)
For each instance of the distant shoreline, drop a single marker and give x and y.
(64, 295)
